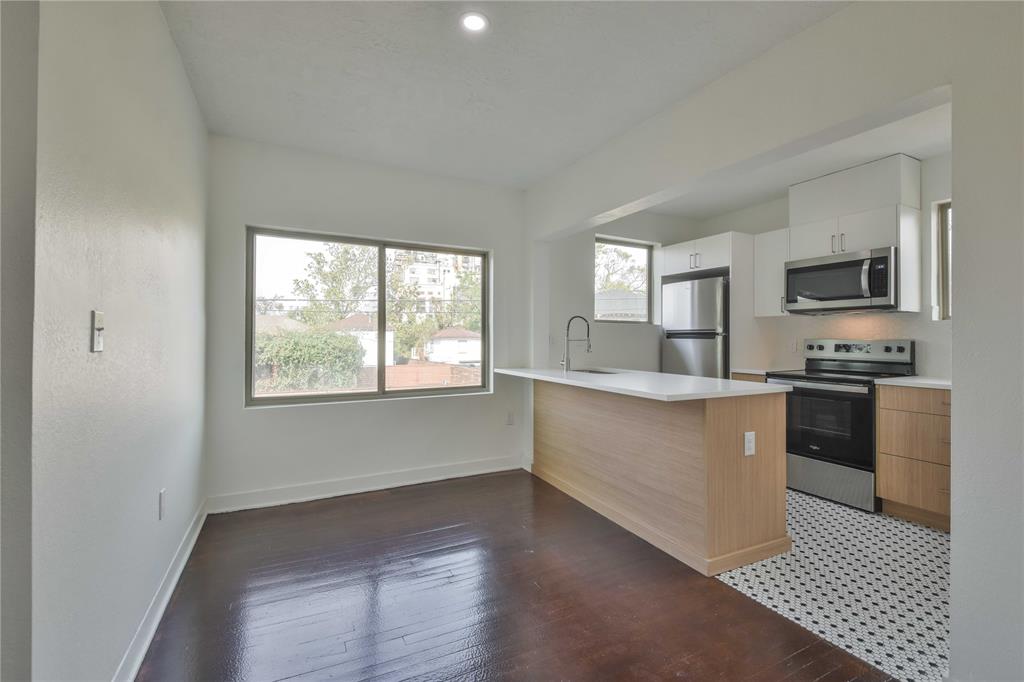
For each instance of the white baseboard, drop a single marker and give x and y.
(304, 492)
(128, 668)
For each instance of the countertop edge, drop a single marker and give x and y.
(916, 382)
(746, 389)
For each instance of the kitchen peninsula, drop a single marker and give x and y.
(662, 455)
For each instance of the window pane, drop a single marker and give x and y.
(621, 282)
(315, 317)
(435, 319)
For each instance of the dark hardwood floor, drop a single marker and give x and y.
(498, 576)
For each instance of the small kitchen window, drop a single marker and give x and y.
(332, 318)
(943, 262)
(622, 281)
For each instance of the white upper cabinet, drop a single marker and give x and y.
(677, 258)
(872, 229)
(713, 252)
(771, 251)
(699, 254)
(810, 240)
(894, 180)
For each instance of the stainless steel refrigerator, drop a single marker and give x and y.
(695, 319)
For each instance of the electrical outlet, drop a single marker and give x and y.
(749, 444)
(160, 504)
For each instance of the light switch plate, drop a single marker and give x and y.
(97, 332)
(749, 444)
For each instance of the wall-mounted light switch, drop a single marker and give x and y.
(97, 332)
(749, 444)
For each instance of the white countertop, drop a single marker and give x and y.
(916, 382)
(652, 385)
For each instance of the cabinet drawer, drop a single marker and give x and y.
(739, 376)
(926, 400)
(914, 435)
(918, 484)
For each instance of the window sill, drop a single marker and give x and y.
(307, 400)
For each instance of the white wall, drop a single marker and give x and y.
(781, 347)
(316, 450)
(20, 25)
(120, 228)
(570, 292)
(829, 82)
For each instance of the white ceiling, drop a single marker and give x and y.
(922, 135)
(399, 83)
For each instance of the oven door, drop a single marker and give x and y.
(849, 281)
(831, 422)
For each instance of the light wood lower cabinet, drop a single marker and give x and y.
(915, 483)
(926, 400)
(914, 435)
(740, 376)
(673, 473)
(913, 453)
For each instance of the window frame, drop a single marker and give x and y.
(944, 260)
(618, 241)
(381, 392)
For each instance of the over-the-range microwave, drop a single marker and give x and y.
(847, 282)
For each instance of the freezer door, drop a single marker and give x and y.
(694, 305)
(702, 356)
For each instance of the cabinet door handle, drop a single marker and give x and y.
(691, 261)
(945, 441)
(697, 257)
(782, 304)
(833, 243)
(842, 241)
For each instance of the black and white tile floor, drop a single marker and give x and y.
(871, 584)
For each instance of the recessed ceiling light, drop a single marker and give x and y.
(474, 22)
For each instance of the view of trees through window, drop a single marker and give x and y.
(315, 317)
(621, 281)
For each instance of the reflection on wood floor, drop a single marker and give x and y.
(497, 576)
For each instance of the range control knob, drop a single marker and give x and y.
(810, 346)
(888, 349)
(821, 347)
(901, 349)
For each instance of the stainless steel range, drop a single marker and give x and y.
(830, 415)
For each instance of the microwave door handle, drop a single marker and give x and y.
(865, 280)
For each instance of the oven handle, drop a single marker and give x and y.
(842, 388)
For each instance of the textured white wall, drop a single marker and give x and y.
(121, 201)
(316, 450)
(830, 81)
(20, 25)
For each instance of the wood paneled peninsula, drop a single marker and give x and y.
(662, 455)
